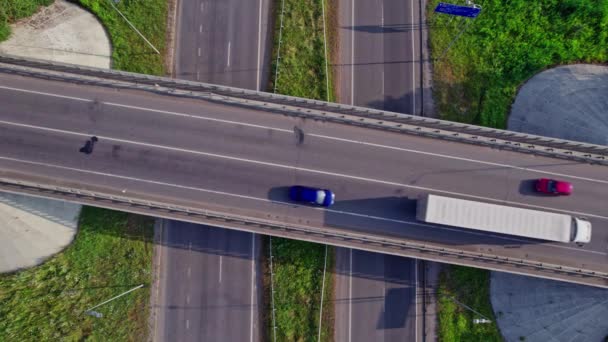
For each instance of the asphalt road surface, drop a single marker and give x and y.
(379, 68)
(379, 64)
(240, 161)
(211, 48)
(223, 42)
(376, 297)
(209, 288)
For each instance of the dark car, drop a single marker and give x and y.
(88, 145)
(306, 194)
(553, 187)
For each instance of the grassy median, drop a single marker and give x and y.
(301, 69)
(298, 277)
(111, 253)
(477, 79)
(298, 266)
(129, 51)
(471, 287)
(13, 10)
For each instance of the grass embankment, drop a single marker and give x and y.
(111, 253)
(298, 277)
(298, 266)
(508, 43)
(471, 287)
(129, 51)
(12, 10)
(302, 62)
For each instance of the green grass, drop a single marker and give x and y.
(471, 287)
(111, 253)
(302, 64)
(12, 10)
(508, 43)
(129, 51)
(298, 276)
(298, 266)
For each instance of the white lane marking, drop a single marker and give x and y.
(350, 296)
(316, 208)
(199, 51)
(314, 135)
(220, 268)
(228, 61)
(187, 324)
(189, 272)
(253, 287)
(202, 7)
(187, 299)
(46, 94)
(259, 67)
(198, 75)
(192, 116)
(295, 168)
(352, 54)
(415, 300)
(200, 29)
(413, 64)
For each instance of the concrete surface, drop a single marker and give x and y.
(543, 310)
(61, 32)
(239, 160)
(567, 102)
(32, 229)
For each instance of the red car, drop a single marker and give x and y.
(553, 187)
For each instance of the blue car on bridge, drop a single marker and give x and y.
(322, 197)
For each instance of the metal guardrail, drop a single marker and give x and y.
(155, 208)
(353, 115)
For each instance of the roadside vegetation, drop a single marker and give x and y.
(471, 287)
(13, 10)
(298, 278)
(298, 265)
(129, 51)
(477, 79)
(111, 254)
(302, 63)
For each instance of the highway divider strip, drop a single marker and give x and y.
(313, 109)
(339, 238)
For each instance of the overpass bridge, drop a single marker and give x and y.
(225, 156)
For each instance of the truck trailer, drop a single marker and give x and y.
(502, 219)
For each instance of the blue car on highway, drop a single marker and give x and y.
(307, 194)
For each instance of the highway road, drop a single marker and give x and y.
(209, 288)
(379, 61)
(223, 42)
(376, 297)
(379, 68)
(211, 48)
(240, 161)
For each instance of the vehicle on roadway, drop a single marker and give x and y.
(322, 197)
(89, 145)
(553, 187)
(502, 219)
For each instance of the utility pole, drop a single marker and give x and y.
(132, 26)
(98, 314)
(476, 320)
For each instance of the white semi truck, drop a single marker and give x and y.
(502, 219)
